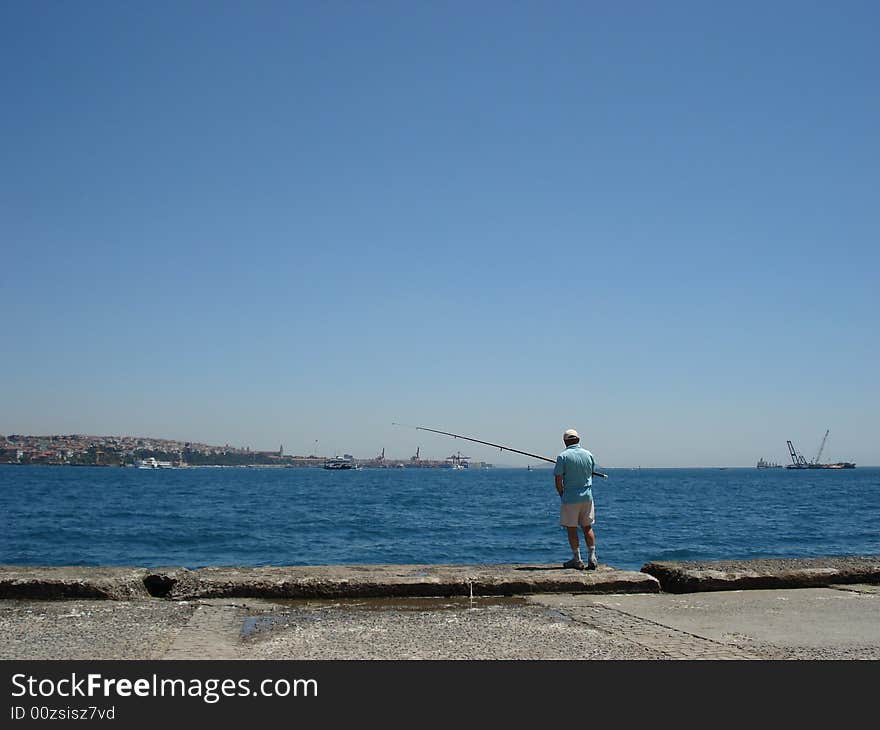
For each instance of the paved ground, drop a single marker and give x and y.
(841, 622)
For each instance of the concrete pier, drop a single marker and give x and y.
(767, 609)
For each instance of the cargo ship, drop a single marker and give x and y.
(767, 464)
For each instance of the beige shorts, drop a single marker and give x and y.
(579, 513)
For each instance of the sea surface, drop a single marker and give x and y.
(251, 517)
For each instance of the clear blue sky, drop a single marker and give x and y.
(290, 222)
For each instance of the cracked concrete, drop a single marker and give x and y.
(815, 623)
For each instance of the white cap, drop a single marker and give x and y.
(570, 434)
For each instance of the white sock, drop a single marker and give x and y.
(576, 554)
(592, 553)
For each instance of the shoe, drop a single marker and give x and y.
(592, 565)
(574, 563)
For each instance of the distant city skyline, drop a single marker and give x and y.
(285, 223)
(138, 450)
(506, 456)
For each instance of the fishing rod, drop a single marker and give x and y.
(487, 443)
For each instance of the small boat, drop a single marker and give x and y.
(457, 461)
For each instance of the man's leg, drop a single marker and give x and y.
(573, 542)
(590, 539)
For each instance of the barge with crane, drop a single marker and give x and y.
(798, 461)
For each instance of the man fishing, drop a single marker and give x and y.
(574, 482)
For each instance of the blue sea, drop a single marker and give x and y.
(244, 516)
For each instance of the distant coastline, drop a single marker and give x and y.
(121, 451)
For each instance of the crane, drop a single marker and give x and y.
(797, 460)
(822, 447)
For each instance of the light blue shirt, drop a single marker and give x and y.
(575, 466)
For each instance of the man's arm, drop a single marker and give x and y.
(559, 485)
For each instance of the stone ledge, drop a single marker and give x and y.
(52, 583)
(766, 573)
(374, 581)
(314, 581)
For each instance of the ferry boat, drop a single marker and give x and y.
(152, 463)
(339, 462)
